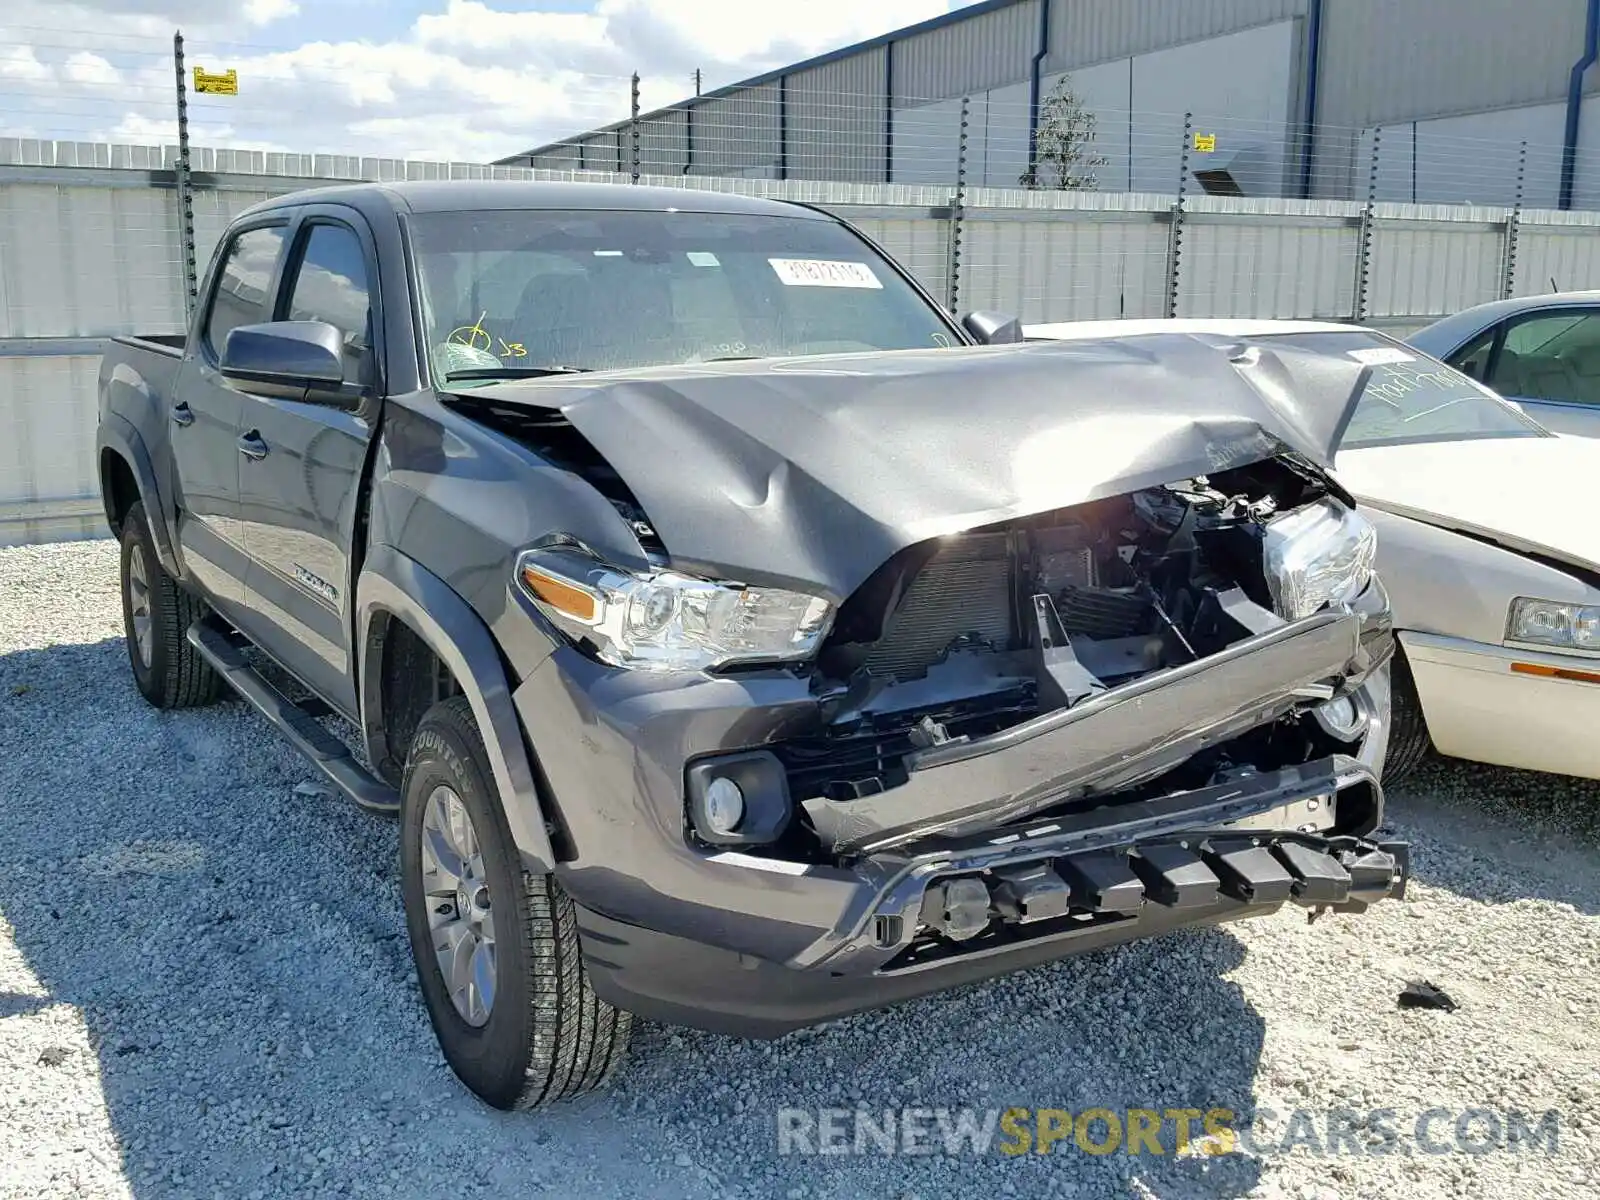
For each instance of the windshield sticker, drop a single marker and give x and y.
(703, 258)
(1372, 356)
(818, 272)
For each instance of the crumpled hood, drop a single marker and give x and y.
(1530, 494)
(811, 473)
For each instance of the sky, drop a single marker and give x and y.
(464, 80)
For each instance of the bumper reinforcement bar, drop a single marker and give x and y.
(1183, 855)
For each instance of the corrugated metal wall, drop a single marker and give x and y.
(1090, 31)
(1392, 60)
(664, 144)
(97, 254)
(982, 52)
(738, 135)
(1297, 260)
(837, 120)
(602, 152)
(56, 244)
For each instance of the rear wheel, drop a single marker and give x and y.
(496, 946)
(1409, 743)
(156, 615)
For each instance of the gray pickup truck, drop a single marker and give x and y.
(739, 639)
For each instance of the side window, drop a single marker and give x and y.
(331, 285)
(240, 297)
(1473, 359)
(1551, 357)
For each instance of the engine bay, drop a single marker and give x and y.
(981, 631)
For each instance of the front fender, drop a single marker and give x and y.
(394, 585)
(121, 437)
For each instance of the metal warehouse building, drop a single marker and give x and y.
(1285, 94)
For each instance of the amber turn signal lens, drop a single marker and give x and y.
(1545, 672)
(562, 596)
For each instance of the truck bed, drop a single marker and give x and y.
(167, 344)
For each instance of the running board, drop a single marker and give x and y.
(331, 756)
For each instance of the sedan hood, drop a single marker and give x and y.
(811, 473)
(1529, 494)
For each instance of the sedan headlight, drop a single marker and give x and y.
(667, 621)
(1316, 555)
(1552, 623)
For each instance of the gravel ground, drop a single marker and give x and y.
(205, 991)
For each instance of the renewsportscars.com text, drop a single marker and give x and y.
(1176, 1131)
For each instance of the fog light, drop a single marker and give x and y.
(738, 799)
(724, 805)
(1340, 717)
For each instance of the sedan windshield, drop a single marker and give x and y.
(1409, 397)
(518, 294)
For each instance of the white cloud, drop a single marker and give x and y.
(21, 63)
(468, 80)
(89, 70)
(264, 12)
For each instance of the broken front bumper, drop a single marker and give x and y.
(1132, 732)
(979, 907)
(755, 944)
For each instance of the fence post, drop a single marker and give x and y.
(1175, 224)
(1508, 268)
(1364, 243)
(958, 204)
(633, 123)
(191, 282)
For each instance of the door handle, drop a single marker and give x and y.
(182, 414)
(251, 446)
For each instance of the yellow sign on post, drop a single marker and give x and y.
(1205, 143)
(225, 84)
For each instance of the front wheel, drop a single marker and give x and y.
(496, 947)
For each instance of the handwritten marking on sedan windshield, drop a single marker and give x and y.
(819, 272)
(1396, 383)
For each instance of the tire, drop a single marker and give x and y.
(543, 1035)
(1409, 743)
(156, 615)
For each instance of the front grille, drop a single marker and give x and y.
(964, 590)
(869, 756)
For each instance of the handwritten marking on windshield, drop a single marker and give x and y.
(1396, 383)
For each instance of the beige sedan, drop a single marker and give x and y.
(1486, 543)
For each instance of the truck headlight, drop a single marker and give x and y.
(1316, 555)
(667, 621)
(1552, 623)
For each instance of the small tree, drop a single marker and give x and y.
(1064, 155)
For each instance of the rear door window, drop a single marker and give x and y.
(240, 296)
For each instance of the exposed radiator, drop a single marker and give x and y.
(964, 589)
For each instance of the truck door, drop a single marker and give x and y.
(301, 465)
(205, 412)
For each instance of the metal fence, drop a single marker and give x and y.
(92, 245)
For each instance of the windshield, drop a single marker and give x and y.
(1410, 397)
(530, 292)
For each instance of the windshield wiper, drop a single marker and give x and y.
(513, 373)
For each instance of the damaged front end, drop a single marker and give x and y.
(1169, 640)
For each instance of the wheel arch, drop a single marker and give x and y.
(126, 476)
(393, 587)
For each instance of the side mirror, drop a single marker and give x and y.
(291, 360)
(992, 329)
